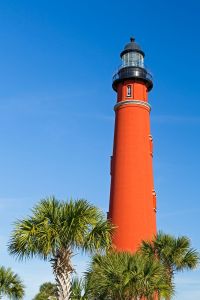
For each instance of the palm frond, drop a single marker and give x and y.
(10, 284)
(126, 276)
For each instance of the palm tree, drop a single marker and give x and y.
(121, 275)
(47, 291)
(55, 230)
(10, 284)
(79, 289)
(175, 254)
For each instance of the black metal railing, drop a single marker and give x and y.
(133, 72)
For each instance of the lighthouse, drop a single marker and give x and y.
(132, 206)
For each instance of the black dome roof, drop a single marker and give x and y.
(132, 47)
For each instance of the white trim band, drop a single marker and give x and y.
(136, 102)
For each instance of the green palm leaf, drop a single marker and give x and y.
(55, 230)
(126, 276)
(175, 254)
(10, 284)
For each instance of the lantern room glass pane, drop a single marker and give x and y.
(133, 59)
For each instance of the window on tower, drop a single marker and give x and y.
(151, 144)
(154, 200)
(129, 91)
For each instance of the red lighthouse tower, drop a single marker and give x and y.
(132, 196)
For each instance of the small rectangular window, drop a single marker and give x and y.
(129, 91)
(111, 164)
(154, 200)
(151, 144)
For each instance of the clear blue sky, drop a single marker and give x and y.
(56, 111)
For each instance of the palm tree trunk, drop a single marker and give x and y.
(62, 269)
(170, 275)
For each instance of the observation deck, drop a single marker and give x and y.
(136, 72)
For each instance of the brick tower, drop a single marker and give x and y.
(132, 196)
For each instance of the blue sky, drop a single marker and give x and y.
(56, 111)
